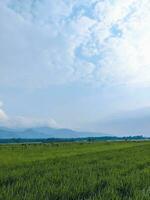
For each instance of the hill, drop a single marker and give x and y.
(45, 132)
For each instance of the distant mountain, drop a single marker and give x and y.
(44, 132)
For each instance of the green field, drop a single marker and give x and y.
(71, 171)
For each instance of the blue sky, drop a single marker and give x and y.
(77, 64)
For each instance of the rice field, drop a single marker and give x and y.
(75, 171)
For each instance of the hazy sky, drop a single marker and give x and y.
(80, 64)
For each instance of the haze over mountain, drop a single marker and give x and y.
(44, 132)
(125, 123)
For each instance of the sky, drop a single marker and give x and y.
(83, 65)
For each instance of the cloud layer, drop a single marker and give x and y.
(135, 122)
(27, 122)
(21, 121)
(3, 115)
(57, 42)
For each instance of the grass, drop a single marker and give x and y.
(75, 171)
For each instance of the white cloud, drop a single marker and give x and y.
(28, 122)
(125, 58)
(21, 121)
(35, 57)
(39, 42)
(3, 115)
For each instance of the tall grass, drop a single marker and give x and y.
(75, 171)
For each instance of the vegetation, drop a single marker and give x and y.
(88, 139)
(75, 171)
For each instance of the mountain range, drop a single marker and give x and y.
(45, 132)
